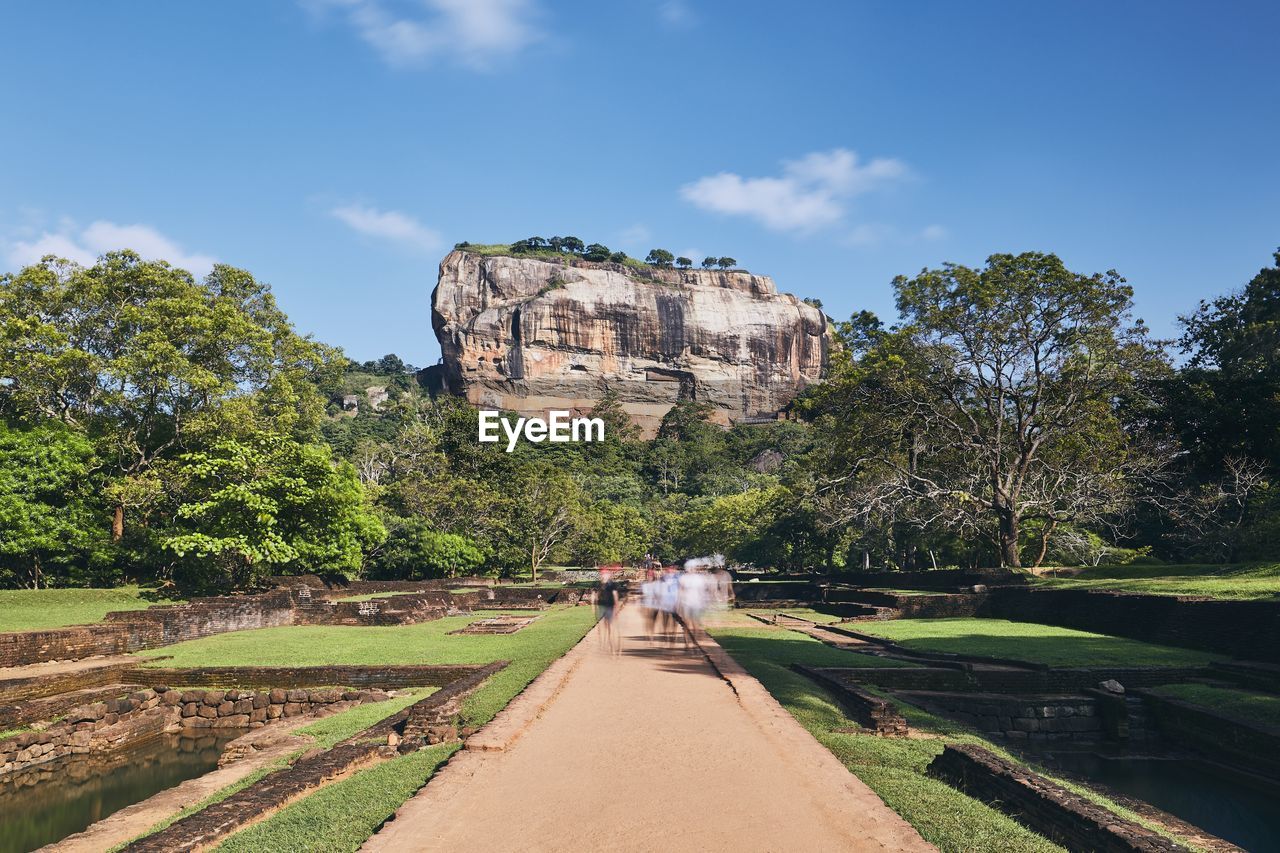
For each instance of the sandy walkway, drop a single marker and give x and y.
(650, 751)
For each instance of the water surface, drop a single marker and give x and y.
(51, 801)
(1240, 808)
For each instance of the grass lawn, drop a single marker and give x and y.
(339, 817)
(1030, 642)
(530, 650)
(1263, 708)
(33, 609)
(1250, 582)
(893, 767)
(805, 613)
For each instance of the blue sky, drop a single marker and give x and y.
(338, 148)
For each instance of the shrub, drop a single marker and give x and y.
(413, 551)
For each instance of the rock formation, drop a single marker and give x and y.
(529, 334)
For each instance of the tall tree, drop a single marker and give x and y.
(994, 402)
(141, 357)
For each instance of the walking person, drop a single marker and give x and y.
(608, 601)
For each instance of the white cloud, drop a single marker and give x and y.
(474, 33)
(810, 193)
(390, 225)
(934, 232)
(85, 245)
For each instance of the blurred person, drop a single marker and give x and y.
(668, 599)
(608, 602)
(693, 588)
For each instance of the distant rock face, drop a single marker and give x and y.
(531, 334)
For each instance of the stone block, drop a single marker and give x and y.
(297, 696)
(208, 712)
(235, 721)
(278, 696)
(258, 715)
(214, 697)
(171, 697)
(292, 709)
(261, 700)
(190, 709)
(274, 712)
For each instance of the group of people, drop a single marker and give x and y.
(675, 600)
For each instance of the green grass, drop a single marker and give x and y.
(767, 640)
(1262, 708)
(369, 596)
(1237, 582)
(330, 730)
(893, 767)
(35, 609)
(339, 817)
(530, 650)
(807, 613)
(1030, 642)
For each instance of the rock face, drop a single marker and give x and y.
(532, 334)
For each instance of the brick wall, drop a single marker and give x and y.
(1246, 629)
(1243, 742)
(1042, 805)
(1025, 718)
(389, 677)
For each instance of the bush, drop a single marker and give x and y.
(413, 551)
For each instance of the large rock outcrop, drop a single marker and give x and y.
(531, 334)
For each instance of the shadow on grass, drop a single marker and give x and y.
(1060, 651)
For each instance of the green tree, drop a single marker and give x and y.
(1225, 401)
(618, 257)
(709, 262)
(572, 245)
(144, 360)
(994, 404)
(683, 262)
(253, 507)
(659, 258)
(48, 522)
(726, 263)
(596, 253)
(413, 551)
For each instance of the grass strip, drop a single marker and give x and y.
(1031, 642)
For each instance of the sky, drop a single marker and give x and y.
(338, 148)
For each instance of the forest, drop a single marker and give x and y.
(159, 428)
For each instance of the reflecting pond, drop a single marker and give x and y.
(1238, 807)
(50, 801)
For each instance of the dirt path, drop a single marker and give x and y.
(650, 750)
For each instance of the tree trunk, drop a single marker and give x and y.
(866, 561)
(533, 563)
(1009, 556)
(117, 523)
(1044, 542)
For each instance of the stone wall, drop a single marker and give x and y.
(24, 647)
(117, 722)
(243, 709)
(961, 678)
(866, 709)
(1245, 629)
(132, 630)
(941, 580)
(1025, 718)
(1042, 805)
(97, 726)
(389, 677)
(1242, 742)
